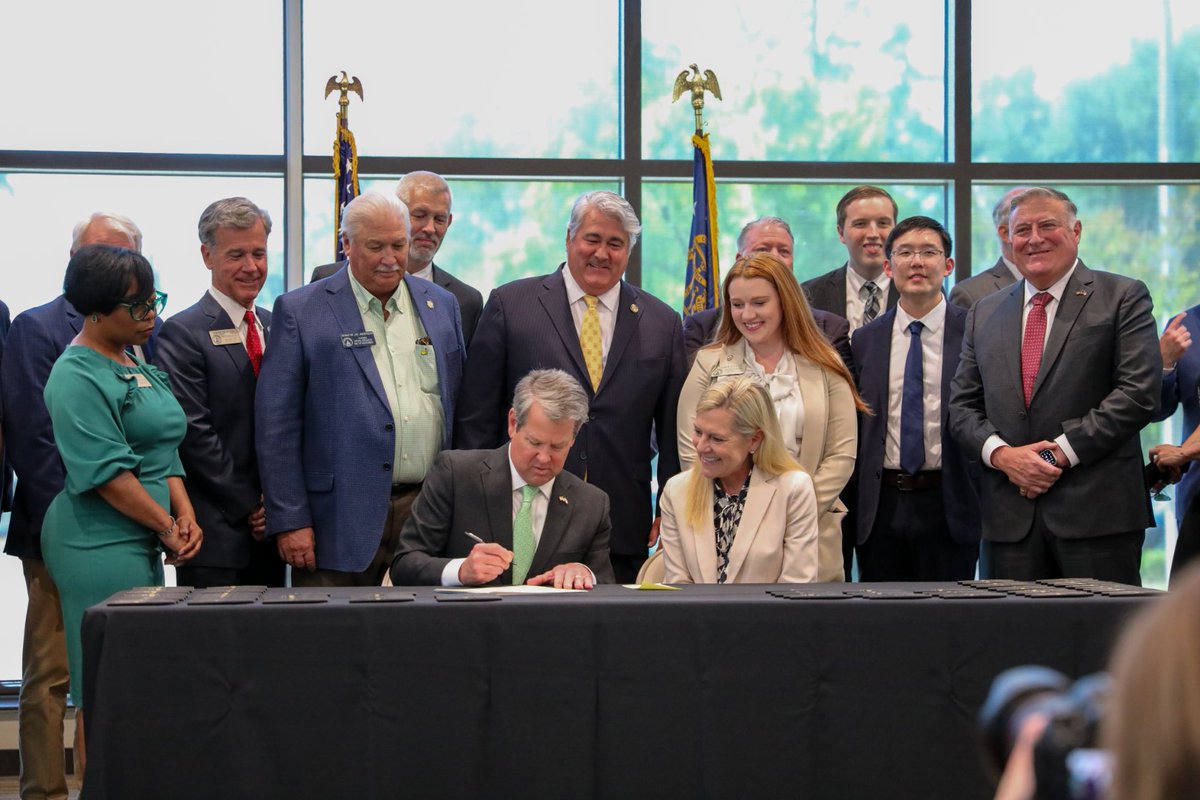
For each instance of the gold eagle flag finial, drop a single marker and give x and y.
(697, 85)
(345, 85)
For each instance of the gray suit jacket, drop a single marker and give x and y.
(1098, 383)
(470, 301)
(969, 292)
(471, 490)
(828, 292)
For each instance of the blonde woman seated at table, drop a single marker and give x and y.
(767, 330)
(744, 512)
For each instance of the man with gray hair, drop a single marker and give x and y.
(36, 340)
(212, 352)
(621, 343)
(1004, 272)
(1058, 376)
(357, 397)
(429, 201)
(511, 516)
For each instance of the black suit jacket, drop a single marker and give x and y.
(828, 292)
(215, 384)
(527, 325)
(470, 301)
(700, 328)
(35, 341)
(1099, 383)
(471, 490)
(960, 472)
(970, 291)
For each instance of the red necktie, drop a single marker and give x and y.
(254, 344)
(1031, 344)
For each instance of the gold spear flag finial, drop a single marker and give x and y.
(697, 85)
(346, 85)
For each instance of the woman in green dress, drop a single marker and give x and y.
(117, 426)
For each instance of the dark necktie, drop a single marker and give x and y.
(871, 302)
(912, 405)
(253, 343)
(1032, 343)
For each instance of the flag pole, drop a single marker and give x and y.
(345, 154)
(703, 273)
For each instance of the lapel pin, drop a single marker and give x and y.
(429, 303)
(562, 499)
(633, 307)
(1081, 293)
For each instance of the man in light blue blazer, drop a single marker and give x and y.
(355, 398)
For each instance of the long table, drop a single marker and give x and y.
(707, 692)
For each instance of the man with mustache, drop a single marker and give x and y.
(429, 202)
(355, 398)
(1058, 375)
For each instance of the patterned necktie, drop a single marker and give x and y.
(589, 341)
(523, 544)
(1031, 344)
(870, 301)
(912, 405)
(253, 343)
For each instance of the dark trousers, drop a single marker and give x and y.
(625, 567)
(398, 513)
(265, 568)
(1041, 555)
(910, 540)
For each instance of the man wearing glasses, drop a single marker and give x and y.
(37, 338)
(918, 497)
(212, 351)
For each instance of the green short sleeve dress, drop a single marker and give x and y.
(108, 419)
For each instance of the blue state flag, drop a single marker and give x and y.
(703, 276)
(345, 176)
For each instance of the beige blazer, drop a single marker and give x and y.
(776, 540)
(826, 448)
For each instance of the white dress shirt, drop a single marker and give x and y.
(237, 313)
(932, 340)
(606, 308)
(426, 273)
(994, 442)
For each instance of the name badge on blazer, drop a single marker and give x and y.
(361, 339)
(139, 379)
(726, 370)
(224, 338)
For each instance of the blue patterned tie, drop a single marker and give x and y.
(912, 405)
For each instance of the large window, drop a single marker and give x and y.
(154, 112)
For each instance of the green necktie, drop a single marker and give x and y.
(523, 544)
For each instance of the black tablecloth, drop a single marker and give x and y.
(718, 692)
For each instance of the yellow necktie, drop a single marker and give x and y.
(589, 341)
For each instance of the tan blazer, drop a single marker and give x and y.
(826, 448)
(776, 540)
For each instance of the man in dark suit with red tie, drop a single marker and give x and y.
(918, 498)
(621, 343)
(1058, 375)
(212, 352)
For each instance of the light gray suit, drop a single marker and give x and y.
(471, 490)
(969, 292)
(1098, 383)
